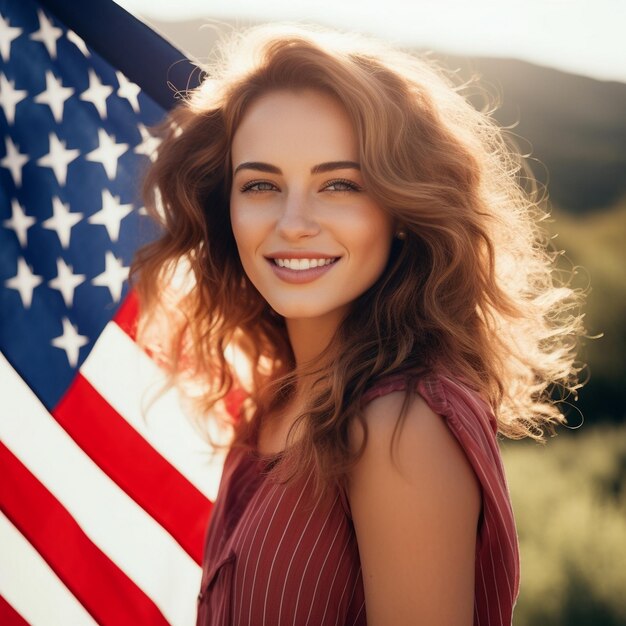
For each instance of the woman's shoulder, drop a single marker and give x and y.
(443, 399)
(432, 409)
(414, 420)
(448, 441)
(442, 412)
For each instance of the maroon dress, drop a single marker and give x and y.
(275, 557)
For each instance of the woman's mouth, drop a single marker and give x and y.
(301, 270)
(303, 264)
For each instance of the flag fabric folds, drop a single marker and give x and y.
(105, 488)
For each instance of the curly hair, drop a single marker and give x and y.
(472, 290)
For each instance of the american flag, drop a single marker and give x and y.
(105, 493)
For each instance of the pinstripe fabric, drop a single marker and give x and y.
(274, 556)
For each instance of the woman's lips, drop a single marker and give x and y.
(299, 276)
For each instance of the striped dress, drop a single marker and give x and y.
(275, 557)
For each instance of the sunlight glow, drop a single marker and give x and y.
(574, 35)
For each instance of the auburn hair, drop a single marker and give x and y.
(472, 290)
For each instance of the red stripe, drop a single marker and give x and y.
(9, 616)
(127, 315)
(124, 455)
(99, 585)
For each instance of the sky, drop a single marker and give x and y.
(580, 36)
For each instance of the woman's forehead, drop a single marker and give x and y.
(285, 123)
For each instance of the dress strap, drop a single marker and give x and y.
(397, 382)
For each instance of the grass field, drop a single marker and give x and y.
(569, 500)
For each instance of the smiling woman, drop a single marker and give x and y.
(359, 232)
(310, 238)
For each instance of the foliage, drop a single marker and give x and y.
(569, 500)
(595, 244)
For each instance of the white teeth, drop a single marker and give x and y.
(302, 264)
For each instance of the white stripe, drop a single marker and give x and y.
(496, 497)
(343, 593)
(319, 575)
(249, 545)
(114, 361)
(268, 526)
(241, 528)
(485, 592)
(356, 580)
(311, 552)
(332, 582)
(496, 581)
(277, 548)
(356, 619)
(295, 552)
(111, 519)
(29, 585)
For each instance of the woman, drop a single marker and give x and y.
(358, 231)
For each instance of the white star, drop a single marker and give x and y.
(14, 161)
(111, 214)
(58, 158)
(70, 341)
(24, 282)
(178, 130)
(108, 152)
(149, 143)
(113, 276)
(7, 35)
(78, 42)
(10, 97)
(19, 222)
(54, 96)
(97, 94)
(66, 281)
(62, 221)
(48, 34)
(128, 90)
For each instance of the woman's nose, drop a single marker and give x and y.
(297, 219)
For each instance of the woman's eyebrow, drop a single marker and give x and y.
(335, 165)
(316, 169)
(258, 166)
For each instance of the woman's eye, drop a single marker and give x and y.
(342, 185)
(255, 186)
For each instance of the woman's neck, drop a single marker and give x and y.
(309, 337)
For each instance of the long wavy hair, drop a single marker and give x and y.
(472, 290)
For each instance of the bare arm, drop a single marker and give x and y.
(416, 528)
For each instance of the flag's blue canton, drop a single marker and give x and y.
(73, 144)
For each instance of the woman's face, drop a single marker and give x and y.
(310, 238)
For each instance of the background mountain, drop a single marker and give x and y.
(575, 126)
